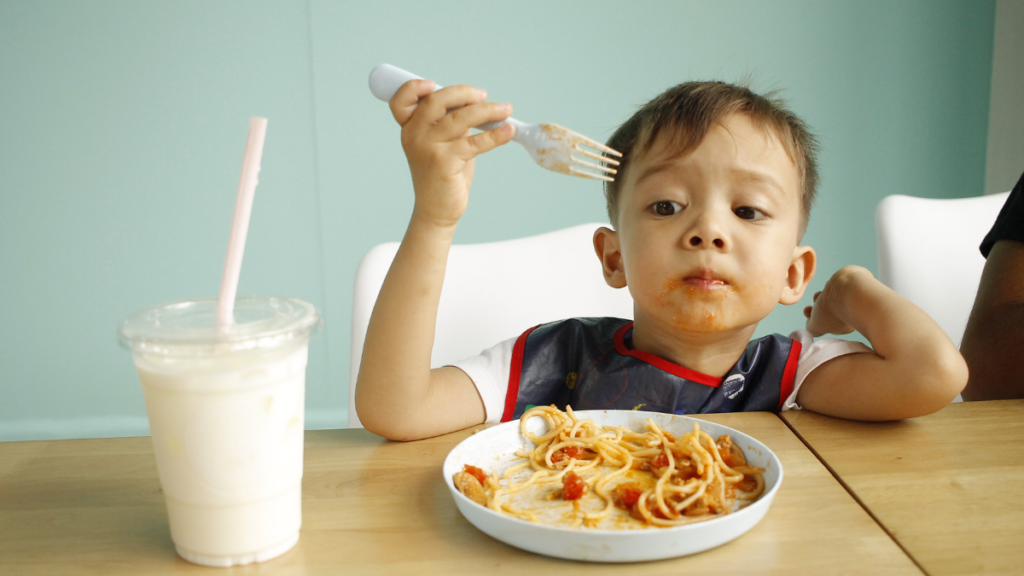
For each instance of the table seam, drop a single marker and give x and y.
(853, 494)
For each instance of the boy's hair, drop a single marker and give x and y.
(688, 111)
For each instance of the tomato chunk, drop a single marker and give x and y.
(659, 461)
(573, 487)
(731, 453)
(468, 485)
(626, 495)
(476, 473)
(567, 453)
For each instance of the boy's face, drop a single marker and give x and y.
(707, 242)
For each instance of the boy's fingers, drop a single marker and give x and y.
(433, 107)
(456, 123)
(407, 99)
(491, 139)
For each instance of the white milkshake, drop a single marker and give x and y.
(226, 413)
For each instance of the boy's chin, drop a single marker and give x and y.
(705, 323)
(700, 324)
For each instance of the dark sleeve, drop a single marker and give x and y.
(1010, 223)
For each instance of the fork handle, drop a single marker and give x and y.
(386, 79)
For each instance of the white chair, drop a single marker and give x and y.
(928, 253)
(495, 291)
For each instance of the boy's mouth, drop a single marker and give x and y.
(706, 280)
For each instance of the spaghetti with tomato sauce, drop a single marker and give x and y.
(611, 476)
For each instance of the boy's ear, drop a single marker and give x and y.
(800, 273)
(606, 244)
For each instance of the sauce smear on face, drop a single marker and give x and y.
(692, 308)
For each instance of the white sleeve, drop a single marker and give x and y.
(815, 353)
(489, 371)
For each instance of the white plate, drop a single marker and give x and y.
(494, 449)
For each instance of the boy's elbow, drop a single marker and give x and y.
(951, 376)
(374, 425)
(392, 433)
(939, 384)
(382, 423)
(372, 417)
(388, 428)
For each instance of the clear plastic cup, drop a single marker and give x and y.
(226, 411)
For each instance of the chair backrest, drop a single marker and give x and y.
(495, 291)
(928, 252)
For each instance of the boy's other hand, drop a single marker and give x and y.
(826, 315)
(439, 145)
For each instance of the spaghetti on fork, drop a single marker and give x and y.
(658, 478)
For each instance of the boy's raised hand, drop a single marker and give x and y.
(826, 315)
(439, 145)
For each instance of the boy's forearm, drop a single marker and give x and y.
(394, 374)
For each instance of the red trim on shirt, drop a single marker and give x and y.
(515, 371)
(665, 365)
(789, 372)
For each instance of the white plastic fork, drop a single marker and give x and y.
(551, 146)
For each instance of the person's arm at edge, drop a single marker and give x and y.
(915, 369)
(993, 342)
(398, 396)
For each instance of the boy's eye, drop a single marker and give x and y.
(748, 213)
(667, 208)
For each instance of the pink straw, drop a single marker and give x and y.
(240, 223)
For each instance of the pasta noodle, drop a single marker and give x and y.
(653, 477)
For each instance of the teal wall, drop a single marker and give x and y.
(122, 126)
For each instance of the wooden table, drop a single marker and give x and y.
(376, 507)
(948, 487)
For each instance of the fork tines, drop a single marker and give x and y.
(595, 170)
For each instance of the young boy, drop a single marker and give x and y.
(708, 209)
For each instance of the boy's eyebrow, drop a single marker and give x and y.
(739, 173)
(759, 178)
(652, 170)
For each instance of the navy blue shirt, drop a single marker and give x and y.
(587, 363)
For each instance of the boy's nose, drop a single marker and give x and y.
(707, 231)
(706, 234)
(713, 240)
